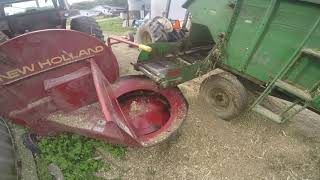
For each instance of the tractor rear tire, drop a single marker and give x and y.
(8, 156)
(151, 32)
(225, 94)
(87, 25)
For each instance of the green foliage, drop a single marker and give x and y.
(113, 26)
(74, 155)
(85, 5)
(42, 169)
(122, 3)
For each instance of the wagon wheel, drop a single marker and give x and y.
(225, 94)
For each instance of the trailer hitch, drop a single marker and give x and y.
(116, 40)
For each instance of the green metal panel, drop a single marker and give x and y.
(215, 14)
(201, 35)
(316, 103)
(305, 73)
(287, 30)
(312, 1)
(159, 49)
(279, 28)
(265, 36)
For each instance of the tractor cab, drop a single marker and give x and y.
(21, 16)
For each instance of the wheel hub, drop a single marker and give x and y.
(220, 98)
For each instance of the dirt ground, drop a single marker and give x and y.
(249, 147)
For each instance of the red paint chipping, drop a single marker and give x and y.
(174, 73)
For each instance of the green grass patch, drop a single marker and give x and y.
(113, 26)
(75, 155)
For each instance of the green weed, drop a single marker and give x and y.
(74, 155)
(113, 26)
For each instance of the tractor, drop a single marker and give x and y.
(21, 16)
(164, 25)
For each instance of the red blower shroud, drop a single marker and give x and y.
(57, 81)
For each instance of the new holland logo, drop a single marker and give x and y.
(47, 64)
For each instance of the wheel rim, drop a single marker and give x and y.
(219, 98)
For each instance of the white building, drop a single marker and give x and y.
(139, 5)
(158, 8)
(139, 8)
(109, 10)
(89, 13)
(102, 10)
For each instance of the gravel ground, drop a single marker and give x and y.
(248, 147)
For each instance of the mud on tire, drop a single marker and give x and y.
(151, 32)
(225, 94)
(87, 25)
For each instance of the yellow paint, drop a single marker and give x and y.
(65, 57)
(145, 48)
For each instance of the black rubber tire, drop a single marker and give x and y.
(225, 94)
(176, 35)
(8, 158)
(87, 25)
(151, 32)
